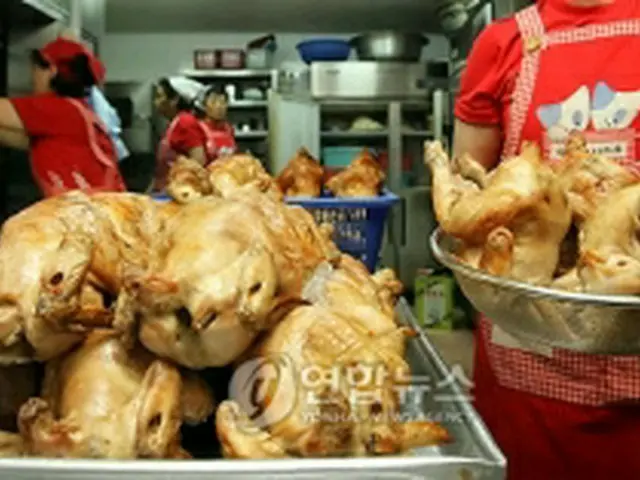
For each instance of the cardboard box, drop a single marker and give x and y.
(435, 300)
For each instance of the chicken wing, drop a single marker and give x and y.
(132, 409)
(303, 176)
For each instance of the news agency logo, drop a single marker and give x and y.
(270, 389)
(265, 389)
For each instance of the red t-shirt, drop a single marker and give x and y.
(220, 139)
(572, 78)
(62, 155)
(185, 133)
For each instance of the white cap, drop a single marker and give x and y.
(186, 88)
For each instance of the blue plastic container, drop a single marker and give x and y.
(161, 197)
(340, 157)
(324, 50)
(359, 222)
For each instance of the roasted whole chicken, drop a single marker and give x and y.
(303, 176)
(609, 248)
(62, 264)
(231, 267)
(511, 221)
(334, 417)
(363, 178)
(241, 171)
(106, 401)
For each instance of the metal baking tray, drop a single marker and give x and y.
(595, 324)
(472, 456)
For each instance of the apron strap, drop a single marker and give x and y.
(532, 33)
(112, 180)
(590, 33)
(91, 121)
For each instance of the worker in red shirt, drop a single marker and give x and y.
(175, 99)
(556, 67)
(70, 147)
(213, 103)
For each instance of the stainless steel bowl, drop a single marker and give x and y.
(389, 46)
(596, 324)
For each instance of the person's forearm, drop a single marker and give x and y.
(14, 139)
(198, 154)
(9, 118)
(481, 142)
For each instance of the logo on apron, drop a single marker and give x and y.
(604, 117)
(618, 145)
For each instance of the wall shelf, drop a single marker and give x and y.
(254, 135)
(224, 73)
(248, 104)
(355, 134)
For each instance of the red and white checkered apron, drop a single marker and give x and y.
(559, 374)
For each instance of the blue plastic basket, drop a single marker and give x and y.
(161, 197)
(359, 222)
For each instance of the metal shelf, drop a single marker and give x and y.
(417, 133)
(254, 135)
(222, 73)
(248, 104)
(362, 134)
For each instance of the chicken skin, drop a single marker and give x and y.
(363, 178)
(303, 176)
(132, 409)
(511, 221)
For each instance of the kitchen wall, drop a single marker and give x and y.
(134, 61)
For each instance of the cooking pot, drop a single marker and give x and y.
(389, 46)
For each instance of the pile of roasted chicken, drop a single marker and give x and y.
(126, 300)
(573, 224)
(302, 177)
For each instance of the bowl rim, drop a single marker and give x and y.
(335, 41)
(533, 291)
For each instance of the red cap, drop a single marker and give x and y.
(61, 50)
